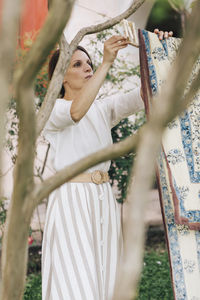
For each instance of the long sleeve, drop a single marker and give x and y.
(121, 106)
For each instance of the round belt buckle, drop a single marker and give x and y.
(97, 177)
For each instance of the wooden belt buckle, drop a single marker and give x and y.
(97, 177)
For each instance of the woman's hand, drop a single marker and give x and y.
(161, 34)
(112, 46)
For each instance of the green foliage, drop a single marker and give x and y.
(33, 289)
(155, 281)
(120, 168)
(41, 83)
(161, 10)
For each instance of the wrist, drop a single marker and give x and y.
(106, 64)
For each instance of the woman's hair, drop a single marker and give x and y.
(53, 62)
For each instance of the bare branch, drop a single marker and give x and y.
(55, 84)
(111, 152)
(131, 265)
(105, 25)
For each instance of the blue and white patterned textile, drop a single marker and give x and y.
(178, 169)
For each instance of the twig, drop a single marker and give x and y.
(45, 160)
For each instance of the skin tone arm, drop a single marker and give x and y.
(84, 97)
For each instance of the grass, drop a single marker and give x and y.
(155, 281)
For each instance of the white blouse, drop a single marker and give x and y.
(70, 141)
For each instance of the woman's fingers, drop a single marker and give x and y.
(111, 47)
(119, 43)
(162, 34)
(156, 30)
(115, 43)
(116, 47)
(115, 39)
(166, 34)
(120, 46)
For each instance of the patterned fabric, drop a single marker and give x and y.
(179, 168)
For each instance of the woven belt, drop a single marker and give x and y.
(97, 177)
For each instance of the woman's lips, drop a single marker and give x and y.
(88, 77)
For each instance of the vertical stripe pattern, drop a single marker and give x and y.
(82, 243)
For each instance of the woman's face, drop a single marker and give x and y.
(79, 71)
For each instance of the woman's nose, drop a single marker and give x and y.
(87, 68)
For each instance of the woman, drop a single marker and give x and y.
(82, 238)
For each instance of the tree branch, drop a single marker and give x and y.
(8, 41)
(105, 25)
(56, 81)
(111, 152)
(55, 84)
(131, 264)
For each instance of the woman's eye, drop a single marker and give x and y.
(77, 64)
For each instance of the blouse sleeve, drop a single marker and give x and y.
(121, 106)
(60, 116)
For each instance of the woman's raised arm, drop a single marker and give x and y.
(87, 94)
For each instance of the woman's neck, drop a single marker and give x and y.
(71, 95)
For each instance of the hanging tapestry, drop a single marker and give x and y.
(178, 168)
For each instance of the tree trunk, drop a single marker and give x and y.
(14, 254)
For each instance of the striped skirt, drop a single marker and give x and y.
(82, 243)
